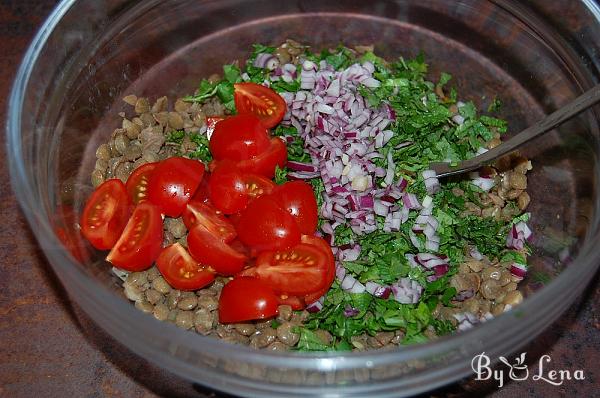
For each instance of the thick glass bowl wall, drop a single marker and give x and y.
(89, 54)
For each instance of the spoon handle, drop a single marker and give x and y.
(548, 123)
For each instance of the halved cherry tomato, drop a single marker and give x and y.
(200, 213)
(208, 249)
(211, 122)
(298, 271)
(227, 188)
(181, 271)
(258, 185)
(264, 225)
(297, 303)
(141, 241)
(330, 276)
(105, 214)
(66, 228)
(239, 137)
(261, 101)
(173, 183)
(137, 183)
(202, 193)
(264, 163)
(245, 299)
(298, 199)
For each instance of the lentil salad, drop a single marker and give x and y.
(420, 285)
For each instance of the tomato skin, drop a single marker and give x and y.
(261, 101)
(297, 271)
(330, 276)
(201, 213)
(180, 270)
(173, 183)
(264, 225)
(298, 199)
(245, 299)
(202, 193)
(227, 188)
(239, 137)
(105, 214)
(141, 241)
(137, 183)
(264, 163)
(208, 249)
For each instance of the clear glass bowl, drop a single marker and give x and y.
(90, 53)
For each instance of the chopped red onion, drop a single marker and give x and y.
(464, 295)
(474, 252)
(466, 320)
(517, 236)
(351, 285)
(351, 253)
(378, 290)
(407, 291)
(304, 175)
(410, 201)
(298, 166)
(350, 312)
(432, 184)
(458, 119)
(264, 59)
(518, 270)
(340, 272)
(483, 183)
(316, 306)
(341, 133)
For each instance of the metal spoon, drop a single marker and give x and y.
(551, 121)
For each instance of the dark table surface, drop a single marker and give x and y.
(49, 348)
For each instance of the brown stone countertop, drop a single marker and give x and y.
(49, 348)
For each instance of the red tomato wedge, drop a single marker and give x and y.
(264, 164)
(245, 299)
(330, 276)
(239, 137)
(227, 188)
(202, 193)
(297, 303)
(141, 241)
(298, 271)
(210, 250)
(264, 225)
(105, 214)
(257, 185)
(173, 183)
(137, 183)
(181, 271)
(298, 199)
(201, 213)
(261, 101)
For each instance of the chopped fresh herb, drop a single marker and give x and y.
(202, 151)
(175, 136)
(295, 145)
(318, 189)
(495, 105)
(223, 89)
(275, 323)
(280, 175)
